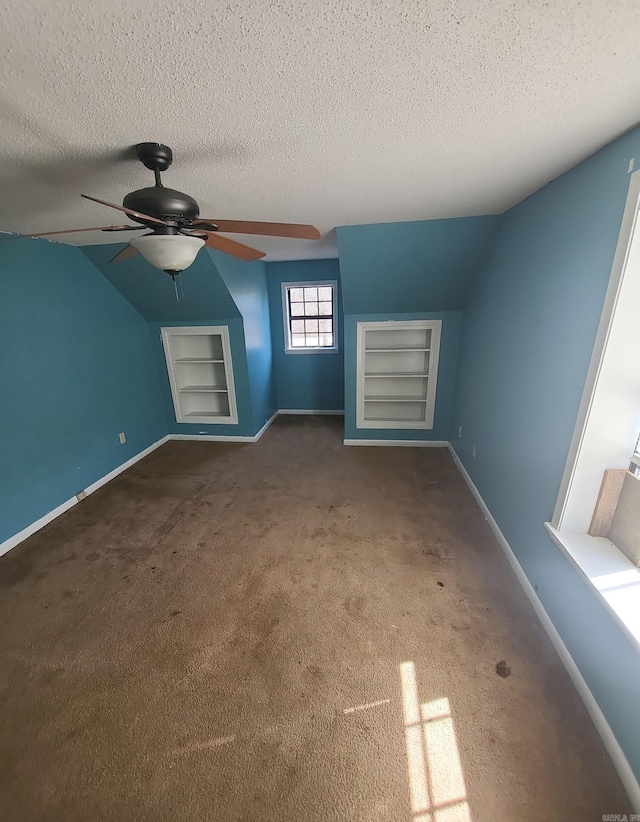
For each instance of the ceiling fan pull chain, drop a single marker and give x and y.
(175, 286)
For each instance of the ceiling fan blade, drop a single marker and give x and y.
(127, 251)
(78, 230)
(128, 211)
(233, 247)
(293, 230)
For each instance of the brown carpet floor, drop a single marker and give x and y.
(291, 630)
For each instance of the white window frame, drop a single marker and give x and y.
(635, 459)
(321, 349)
(606, 431)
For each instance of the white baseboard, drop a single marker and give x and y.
(612, 745)
(16, 539)
(265, 426)
(307, 411)
(209, 438)
(222, 437)
(405, 443)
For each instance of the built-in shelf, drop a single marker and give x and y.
(395, 364)
(200, 373)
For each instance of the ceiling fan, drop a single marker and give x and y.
(177, 230)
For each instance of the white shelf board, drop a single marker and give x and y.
(197, 389)
(196, 359)
(393, 419)
(394, 374)
(394, 349)
(206, 414)
(392, 398)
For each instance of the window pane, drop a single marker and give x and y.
(297, 340)
(325, 325)
(297, 326)
(326, 309)
(311, 309)
(326, 339)
(297, 309)
(311, 325)
(296, 295)
(325, 293)
(311, 295)
(311, 340)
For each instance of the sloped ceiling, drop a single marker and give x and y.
(412, 266)
(327, 112)
(202, 293)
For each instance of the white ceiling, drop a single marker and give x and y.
(329, 112)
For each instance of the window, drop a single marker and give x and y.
(634, 467)
(310, 316)
(604, 436)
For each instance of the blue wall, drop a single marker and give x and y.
(77, 368)
(152, 293)
(216, 290)
(447, 368)
(305, 381)
(419, 266)
(527, 341)
(410, 271)
(247, 284)
(204, 300)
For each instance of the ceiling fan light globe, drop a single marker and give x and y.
(173, 252)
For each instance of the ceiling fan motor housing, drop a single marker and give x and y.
(164, 203)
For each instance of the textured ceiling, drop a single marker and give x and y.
(326, 112)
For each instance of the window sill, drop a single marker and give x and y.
(609, 572)
(311, 350)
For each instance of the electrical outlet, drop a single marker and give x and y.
(459, 432)
(81, 495)
(473, 452)
(123, 439)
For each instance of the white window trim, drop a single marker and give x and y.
(321, 349)
(606, 431)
